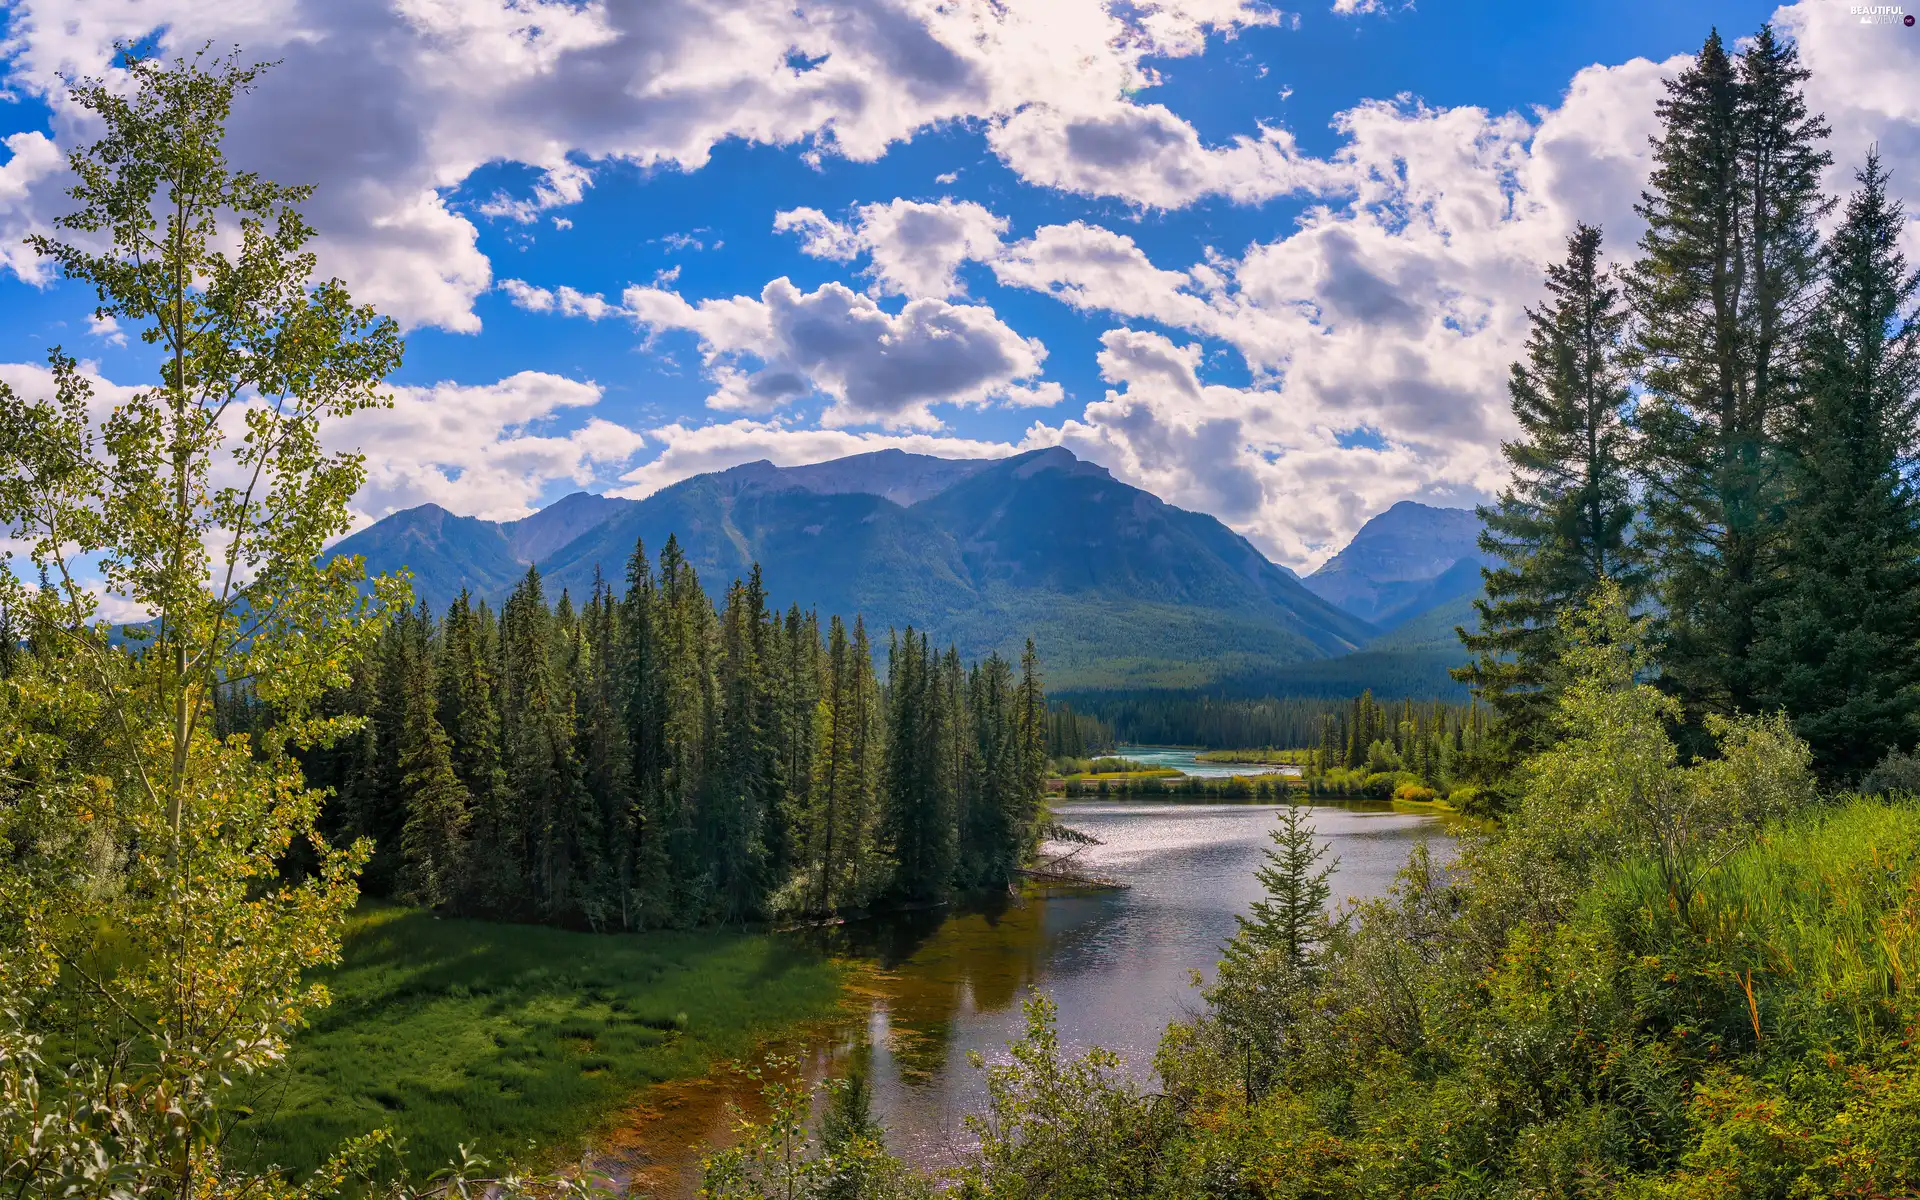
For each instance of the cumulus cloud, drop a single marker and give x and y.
(914, 248)
(29, 186)
(877, 367)
(1264, 465)
(1150, 156)
(480, 450)
(390, 107)
(687, 451)
(1394, 308)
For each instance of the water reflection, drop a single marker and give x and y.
(1118, 963)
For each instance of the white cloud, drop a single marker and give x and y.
(1250, 456)
(107, 329)
(1863, 80)
(1146, 154)
(915, 249)
(1396, 309)
(877, 367)
(387, 106)
(28, 187)
(688, 451)
(480, 450)
(566, 301)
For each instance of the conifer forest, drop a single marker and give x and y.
(646, 760)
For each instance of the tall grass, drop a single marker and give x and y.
(1817, 924)
(506, 1036)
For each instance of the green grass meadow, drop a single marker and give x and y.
(498, 1036)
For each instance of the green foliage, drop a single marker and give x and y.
(1722, 295)
(1064, 1128)
(150, 934)
(1561, 526)
(1840, 647)
(651, 761)
(779, 1158)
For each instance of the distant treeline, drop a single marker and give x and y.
(647, 760)
(1220, 723)
(1073, 734)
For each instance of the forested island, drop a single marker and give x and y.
(1672, 955)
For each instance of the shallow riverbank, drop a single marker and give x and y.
(501, 1036)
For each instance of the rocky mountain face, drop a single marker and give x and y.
(1407, 561)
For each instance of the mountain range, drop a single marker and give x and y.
(1120, 589)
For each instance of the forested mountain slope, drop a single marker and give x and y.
(1121, 588)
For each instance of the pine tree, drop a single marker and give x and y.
(1290, 920)
(1720, 294)
(832, 769)
(433, 840)
(690, 710)
(920, 817)
(741, 780)
(469, 712)
(1029, 814)
(600, 735)
(1563, 523)
(870, 871)
(646, 870)
(1840, 642)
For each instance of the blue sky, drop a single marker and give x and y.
(1268, 264)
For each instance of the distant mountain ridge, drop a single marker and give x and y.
(1121, 588)
(1409, 560)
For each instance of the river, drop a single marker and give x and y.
(1117, 963)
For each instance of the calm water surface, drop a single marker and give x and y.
(1187, 762)
(1117, 963)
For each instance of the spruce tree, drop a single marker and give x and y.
(1720, 295)
(649, 886)
(600, 737)
(920, 816)
(433, 840)
(1563, 522)
(1290, 919)
(685, 636)
(741, 775)
(870, 871)
(1840, 642)
(833, 769)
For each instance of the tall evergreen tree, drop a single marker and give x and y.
(1563, 523)
(685, 634)
(1290, 918)
(1720, 294)
(600, 738)
(920, 814)
(648, 899)
(433, 838)
(1840, 640)
(741, 779)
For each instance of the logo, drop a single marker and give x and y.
(1880, 14)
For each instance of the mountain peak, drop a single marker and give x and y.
(893, 474)
(1388, 566)
(533, 538)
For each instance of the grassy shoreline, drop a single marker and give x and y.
(519, 1040)
(1267, 757)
